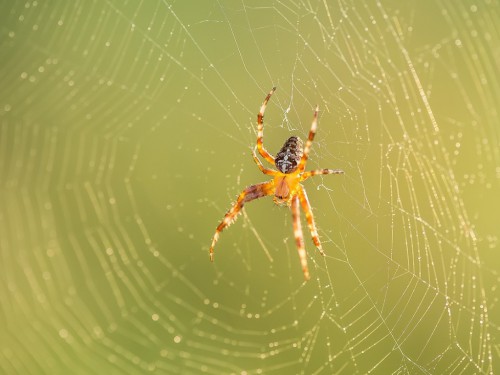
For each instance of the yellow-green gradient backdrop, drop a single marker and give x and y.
(126, 131)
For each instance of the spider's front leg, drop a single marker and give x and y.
(247, 195)
(299, 237)
(306, 206)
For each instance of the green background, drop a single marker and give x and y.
(126, 131)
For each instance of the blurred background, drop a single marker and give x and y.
(126, 131)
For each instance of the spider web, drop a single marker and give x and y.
(126, 131)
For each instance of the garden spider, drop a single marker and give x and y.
(285, 186)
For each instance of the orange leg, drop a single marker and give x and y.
(306, 206)
(309, 141)
(261, 167)
(247, 195)
(299, 237)
(260, 129)
(308, 174)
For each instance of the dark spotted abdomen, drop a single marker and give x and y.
(288, 158)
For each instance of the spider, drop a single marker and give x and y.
(285, 185)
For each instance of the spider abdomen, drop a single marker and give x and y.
(288, 158)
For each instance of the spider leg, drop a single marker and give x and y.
(306, 206)
(260, 129)
(261, 167)
(309, 141)
(247, 195)
(316, 172)
(299, 237)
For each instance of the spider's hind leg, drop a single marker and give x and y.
(310, 138)
(317, 172)
(260, 129)
(247, 195)
(261, 167)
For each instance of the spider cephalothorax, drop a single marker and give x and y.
(285, 185)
